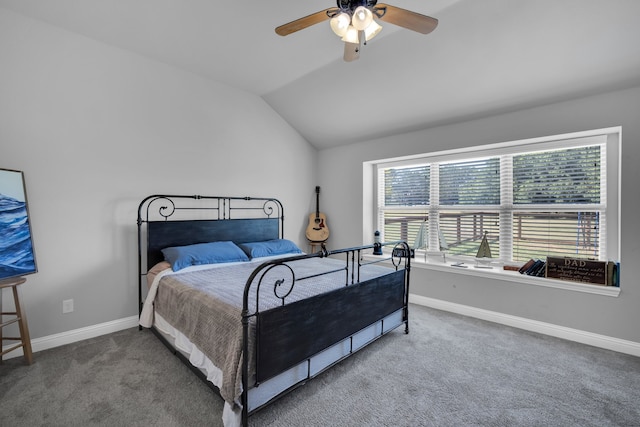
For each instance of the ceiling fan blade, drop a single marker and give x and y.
(307, 21)
(405, 18)
(351, 51)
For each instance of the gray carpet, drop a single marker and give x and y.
(449, 371)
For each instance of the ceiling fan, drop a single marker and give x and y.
(355, 22)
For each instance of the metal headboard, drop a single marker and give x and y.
(178, 220)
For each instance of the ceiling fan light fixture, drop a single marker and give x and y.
(372, 30)
(362, 18)
(356, 22)
(352, 35)
(340, 23)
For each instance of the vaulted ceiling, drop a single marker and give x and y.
(485, 57)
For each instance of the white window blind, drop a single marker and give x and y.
(558, 177)
(406, 195)
(557, 196)
(470, 182)
(530, 200)
(407, 186)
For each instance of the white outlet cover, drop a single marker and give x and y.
(67, 306)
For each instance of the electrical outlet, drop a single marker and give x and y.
(67, 306)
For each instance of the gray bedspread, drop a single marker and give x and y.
(206, 305)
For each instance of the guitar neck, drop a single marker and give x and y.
(317, 202)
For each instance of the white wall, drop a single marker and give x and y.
(96, 129)
(616, 317)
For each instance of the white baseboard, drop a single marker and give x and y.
(589, 338)
(56, 340)
(596, 340)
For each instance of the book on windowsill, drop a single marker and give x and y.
(613, 273)
(533, 267)
(526, 266)
(539, 269)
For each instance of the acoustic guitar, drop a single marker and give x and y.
(317, 230)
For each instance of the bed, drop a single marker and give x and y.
(246, 309)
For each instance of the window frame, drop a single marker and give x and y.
(610, 137)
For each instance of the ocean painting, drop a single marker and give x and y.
(16, 245)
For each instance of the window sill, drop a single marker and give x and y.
(498, 273)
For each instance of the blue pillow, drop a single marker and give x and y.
(203, 253)
(269, 248)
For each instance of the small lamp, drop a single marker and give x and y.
(377, 247)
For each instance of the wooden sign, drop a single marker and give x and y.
(577, 270)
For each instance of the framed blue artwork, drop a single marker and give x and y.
(17, 255)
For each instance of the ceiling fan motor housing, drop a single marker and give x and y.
(351, 5)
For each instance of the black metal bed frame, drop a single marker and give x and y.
(293, 325)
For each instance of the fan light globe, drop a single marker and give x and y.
(340, 24)
(362, 18)
(372, 30)
(351, 36)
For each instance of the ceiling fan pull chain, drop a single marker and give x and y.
(362, 37)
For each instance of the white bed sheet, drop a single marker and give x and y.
(147, 314)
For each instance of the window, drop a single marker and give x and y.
(530, 199)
